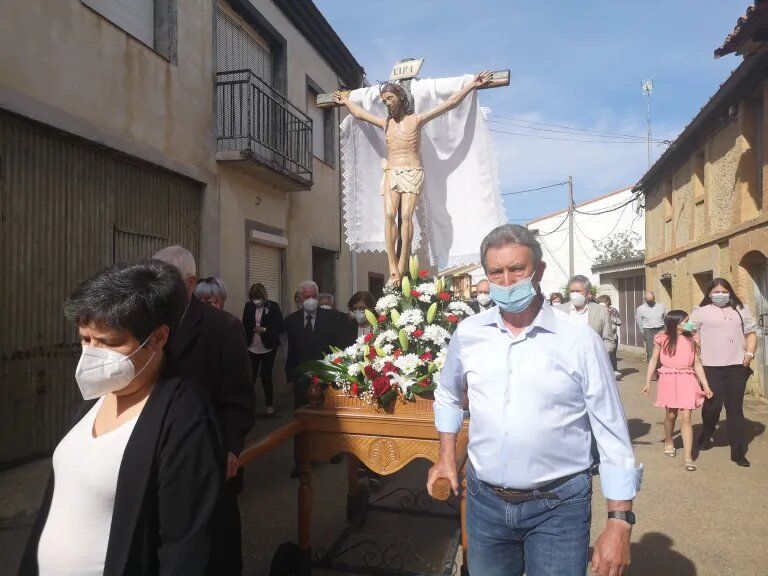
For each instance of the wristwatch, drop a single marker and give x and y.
(628, 517)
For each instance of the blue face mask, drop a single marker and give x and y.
(515, 298)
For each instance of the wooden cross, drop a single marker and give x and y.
(405, 71)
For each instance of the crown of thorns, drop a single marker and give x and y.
(398, 91)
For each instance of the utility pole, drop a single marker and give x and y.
(570, 226)
(647, 87)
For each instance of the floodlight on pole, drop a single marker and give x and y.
(647, 88)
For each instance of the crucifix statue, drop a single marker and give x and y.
(404, 176)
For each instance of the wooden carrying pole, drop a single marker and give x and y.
(500, 78)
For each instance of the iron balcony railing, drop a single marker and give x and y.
(257, 121)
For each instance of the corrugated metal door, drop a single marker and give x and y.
(264, 265)
(67, 209)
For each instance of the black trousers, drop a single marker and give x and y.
(728, 384)
(614, 360)
(262, 365)
(229, 558)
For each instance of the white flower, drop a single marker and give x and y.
(384, 337)
(355, 369)
(427, 288)
(426, 298)
(461, 307)
(378, 363)
(410, 330)
(436, 334)
(386, 303)
(408, 363)
(401, 381)
(412, 316)
(352, 351)
(388, 349)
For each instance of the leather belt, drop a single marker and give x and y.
(543, 492)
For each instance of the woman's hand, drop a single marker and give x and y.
(748, 358)
(708, 392)
(646, 390)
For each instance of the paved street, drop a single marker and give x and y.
(712, 522)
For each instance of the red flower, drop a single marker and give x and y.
(371, 352)
(452, 318)
(354, 388)
(427, 356)
(444, 296)
(381, 386)
(397, 353)
(418, 333)
(423, 273)
(370, 373)
(383, 318)
(415, 293)
(368, 337)
(425, 382)
(338, 360)
(388, 368)
(315, 380)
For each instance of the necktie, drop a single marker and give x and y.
(308, 330)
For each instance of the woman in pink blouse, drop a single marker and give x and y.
(726, 331)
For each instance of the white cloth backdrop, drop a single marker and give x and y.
(461, 200)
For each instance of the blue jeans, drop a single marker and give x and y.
(547, 537)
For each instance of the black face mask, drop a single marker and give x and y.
(651, 303)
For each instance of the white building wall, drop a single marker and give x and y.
(553, 236)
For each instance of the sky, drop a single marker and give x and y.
(573, 64)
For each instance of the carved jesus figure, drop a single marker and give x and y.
(403, 170)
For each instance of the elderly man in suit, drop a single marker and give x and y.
(210, 350)
(592, 314)
(311, 331)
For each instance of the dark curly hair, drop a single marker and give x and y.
(398, 91)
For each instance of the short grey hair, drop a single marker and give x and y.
(211, 287)
(179, 257)
(580, 279)
(306, 285)
(327, 297)
(510, 234)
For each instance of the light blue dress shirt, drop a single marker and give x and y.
(536, 399)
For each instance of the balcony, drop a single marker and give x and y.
(258, 126)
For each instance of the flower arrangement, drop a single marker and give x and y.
(403, 354)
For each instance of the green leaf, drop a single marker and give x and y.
(395, 315)
(432, 368)
(431, 313)
(406, 288)
(388, 397)
(403, 337)
(371, 317)
(414, 268)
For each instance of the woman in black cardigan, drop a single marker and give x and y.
(263, 323)
(136, 481)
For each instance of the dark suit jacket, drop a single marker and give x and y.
(209, 348)
(329, 331)
(271, 320)
(168, 488)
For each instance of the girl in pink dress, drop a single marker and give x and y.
(678, 390)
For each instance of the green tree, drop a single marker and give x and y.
(617, 248)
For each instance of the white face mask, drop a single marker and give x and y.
(325, 307)
(359, 316)
(721, 299)
(578, 299)
(483, 298)
(604, 304)
(101, 370)
(258, 303)
(310, 305)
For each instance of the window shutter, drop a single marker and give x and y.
(137, 17)
(264, 265)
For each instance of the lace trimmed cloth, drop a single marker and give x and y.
(461, 200)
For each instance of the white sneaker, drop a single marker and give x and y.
(270, 411)
(618, 376)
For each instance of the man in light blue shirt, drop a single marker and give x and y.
(539, 385)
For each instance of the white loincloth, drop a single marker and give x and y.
(403, 180)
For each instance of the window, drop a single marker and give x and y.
(152, 22)
(240, 47)
(323, 126)
(324, 269)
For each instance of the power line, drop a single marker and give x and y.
(613, 209)
(576, 133)
(534, 189)
(572, 128)
(568, 139)
(609, 233)
(558, 226)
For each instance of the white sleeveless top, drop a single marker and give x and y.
(74, 540)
